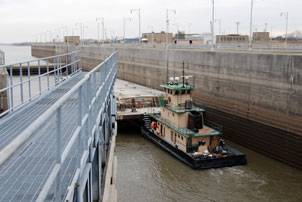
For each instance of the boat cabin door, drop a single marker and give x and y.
(173, 137)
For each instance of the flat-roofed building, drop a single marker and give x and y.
(160, 37)
(261, 36)
(74, 40)
(232, 38)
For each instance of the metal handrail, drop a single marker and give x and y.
(54, 65)
(93, 91)
(40, 59)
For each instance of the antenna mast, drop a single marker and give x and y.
(183, 74)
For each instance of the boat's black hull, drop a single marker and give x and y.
(234, 157)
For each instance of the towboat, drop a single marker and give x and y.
(182, 130)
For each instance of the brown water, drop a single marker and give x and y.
(147, 173)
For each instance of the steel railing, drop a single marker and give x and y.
(79, 110)
(29, 80)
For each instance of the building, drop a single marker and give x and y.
(232, 38)
(160, 37)
(74, 40)
(191, 39)
(261, 36)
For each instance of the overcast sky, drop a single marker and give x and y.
(24, 20)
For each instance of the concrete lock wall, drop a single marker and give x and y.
(257, 97)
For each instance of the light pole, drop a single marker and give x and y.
(98, 28)
(285, 14)
(81, 29)
(124, 27)
(212, 23)
(103, 29)
(265, 27)
(152, 33)
(139, 22)
(168, 22)
(189, 28)
(84, 27)
(251, 24)
(237, 24)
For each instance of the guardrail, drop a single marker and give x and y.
(50, 71)
(93, 91)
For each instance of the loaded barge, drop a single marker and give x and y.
(182, 130)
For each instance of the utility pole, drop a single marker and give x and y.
(103, 30)
(238, 23)
(84, 27)
(81, 29)
(168, 22)
(124, 27)
(212, 24)
(265, 27)
(152, 33)
(189, 28)
(285, 14)
(251, 25)
(139, 22)
(98, 28)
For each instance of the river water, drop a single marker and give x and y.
(147, 173)
(15, 54)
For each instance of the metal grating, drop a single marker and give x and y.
(49, 136)
(24, 174)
